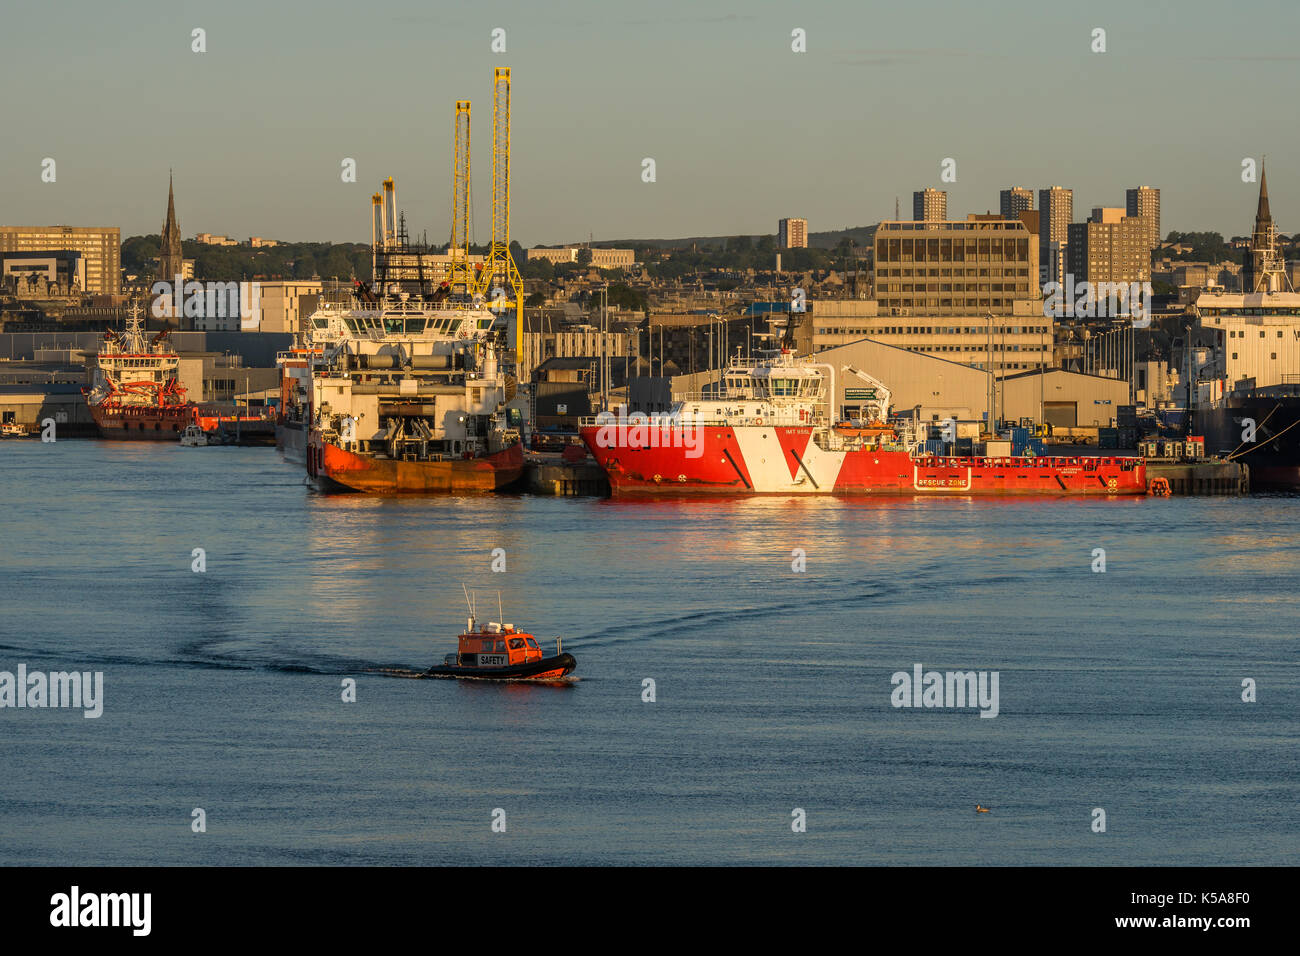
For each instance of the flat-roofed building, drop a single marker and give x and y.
(1055, 213)
(282, 305)
(1143, 202)
(930, 205)
(1109, 247)
(100, 247)
(1015, 342)
(1012, 202)
(792, 233)
(600, 258)
(62, 268)
(954, 268)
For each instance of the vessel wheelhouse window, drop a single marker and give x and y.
(516, 643)
(414, 326)
(531, 643)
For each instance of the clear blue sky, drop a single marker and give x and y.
(743, 130)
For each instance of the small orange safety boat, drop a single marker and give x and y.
(981, 809)
(496, 651)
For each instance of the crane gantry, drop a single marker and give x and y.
(461, 273)
(499, 282)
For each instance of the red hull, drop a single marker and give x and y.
(719, 459)
(142, 422)
(336, 469)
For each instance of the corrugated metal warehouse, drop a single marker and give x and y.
(1068, 399)
(941, 389)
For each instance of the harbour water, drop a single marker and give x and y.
(1119, 690)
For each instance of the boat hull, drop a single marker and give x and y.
(1274, 456)
(548, 668)
(142, 422)
(291, 440)
(750, 460)
(335, 469)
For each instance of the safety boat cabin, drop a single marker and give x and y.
(495, 645)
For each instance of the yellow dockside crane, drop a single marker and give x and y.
(462, 273)
(499, 283)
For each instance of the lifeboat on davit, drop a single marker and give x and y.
(876, 429)
(497, 651)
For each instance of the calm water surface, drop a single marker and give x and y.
(1119, 690)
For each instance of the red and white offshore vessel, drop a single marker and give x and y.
(765, 430)
(136, 394)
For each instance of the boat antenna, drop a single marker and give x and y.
(500, 612)
(468, 600)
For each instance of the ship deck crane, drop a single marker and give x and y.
(876, 409)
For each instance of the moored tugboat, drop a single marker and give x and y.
(497, 651)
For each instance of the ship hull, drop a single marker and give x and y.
(756, 460)
(548, 668)
(142, 422)
(335, 469)
(291, 440)
(1274, 456)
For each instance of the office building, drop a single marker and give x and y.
(967, 267)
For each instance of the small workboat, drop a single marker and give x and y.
(194, 437)
(13, 430)
(496, 651)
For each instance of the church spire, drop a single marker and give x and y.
(170, 256)
(1262, 214)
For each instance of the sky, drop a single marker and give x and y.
(742, 129)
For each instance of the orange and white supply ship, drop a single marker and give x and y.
(136, 394)
(499, 652)
(411, 399)
(766, 430)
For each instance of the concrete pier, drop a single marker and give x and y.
(1213, 477)
(553, 476)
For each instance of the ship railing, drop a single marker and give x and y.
(665, 420)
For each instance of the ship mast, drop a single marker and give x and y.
(134, 329)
